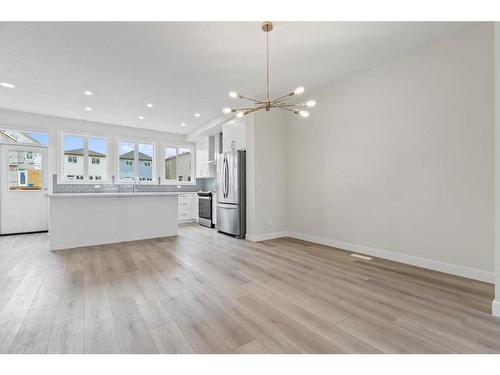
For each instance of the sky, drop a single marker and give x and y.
(43, 138)
(72, 142)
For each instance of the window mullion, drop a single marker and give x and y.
(177, 165)
(136, 160)
(85, 159)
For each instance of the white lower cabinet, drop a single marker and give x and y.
(188, 207)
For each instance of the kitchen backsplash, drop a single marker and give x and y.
(203, 184)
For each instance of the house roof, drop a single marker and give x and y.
(130, 156)
(79, 151)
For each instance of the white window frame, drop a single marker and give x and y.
(193, 164)
(136, 143)
(86, 179)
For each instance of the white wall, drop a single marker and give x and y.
(266, 175)
(400, 159)
(55, 125)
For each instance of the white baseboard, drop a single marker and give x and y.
(266, 236)
(471, 273)
(495, 308)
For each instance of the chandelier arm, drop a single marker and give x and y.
(290, 105)
(253, 110)
(245, 109)
(280, 98)
(286, 109)
(253, 100)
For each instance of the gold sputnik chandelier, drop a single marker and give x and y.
(282, 102)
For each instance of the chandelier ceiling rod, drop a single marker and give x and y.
(267, 63)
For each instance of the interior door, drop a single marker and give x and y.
(23, 185)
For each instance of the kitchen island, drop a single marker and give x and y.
(86, 219)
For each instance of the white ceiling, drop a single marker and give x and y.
(184, 67)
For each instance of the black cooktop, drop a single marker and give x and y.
(204, 193)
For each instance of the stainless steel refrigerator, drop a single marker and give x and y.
(231, 193)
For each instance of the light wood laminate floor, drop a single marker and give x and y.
(203, 292)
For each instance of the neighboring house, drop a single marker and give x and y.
(74, 168)
(178, 167)
(127, 167)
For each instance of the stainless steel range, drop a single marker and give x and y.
(205, 209)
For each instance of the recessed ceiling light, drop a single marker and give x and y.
(149, 105)
(88, 109)
(183, 124)
(88, 93)
(141, 117)
(7, 84)
(197, 115)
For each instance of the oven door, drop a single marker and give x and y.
(205, 211)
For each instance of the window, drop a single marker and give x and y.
(178, 164)
(84, 158)
(24, 137)
(25, 170)
(136, 161)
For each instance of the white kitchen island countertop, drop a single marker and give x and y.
(121, 195)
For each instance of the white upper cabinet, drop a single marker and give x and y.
(234, 136)
(205, 156)
(202, 158)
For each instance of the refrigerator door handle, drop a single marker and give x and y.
(226, 177)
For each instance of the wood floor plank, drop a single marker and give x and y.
(66, 337)
(194, 327)
(170, 340)
(10, 323)
(34, 334)
(101, 342)
(132, 331)
(253, 347)
(390, 338)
